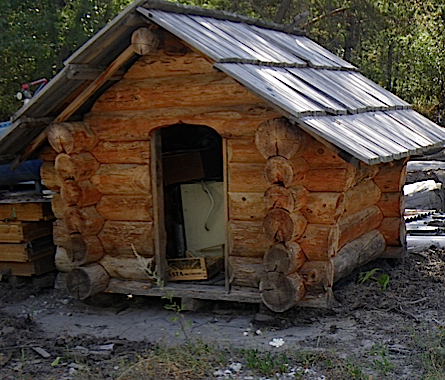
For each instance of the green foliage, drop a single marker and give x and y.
(382, 280)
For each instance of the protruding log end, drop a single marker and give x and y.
(83, 249)
(283, 226)
(283, 259)
(84, 282)
(144, 41)
(279, 197)
(279, 292)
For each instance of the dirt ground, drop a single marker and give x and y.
(372, 333)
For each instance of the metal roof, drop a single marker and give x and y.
(315, 89)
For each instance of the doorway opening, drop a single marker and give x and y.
(194, 207)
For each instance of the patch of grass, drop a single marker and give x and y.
(382, 361)
(264, 363)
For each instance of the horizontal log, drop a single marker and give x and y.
(60, 233)
(62, 261)
(83, 249)
(73, 137)
(393, 229)
(300, 195)
(128, 267)
(125, 207)
(80, 194)
(365, 172)
(278, 196)
(27, 212)
(392, 205)
(391, 177)
(80, 166)
(182, 91)
(393, 252)
(361, 196)
(247, 238)
(323, 207)
(85, 220)
(121, 179)
(317, 276)
(282, 258)
(118, 238)
(247, 177)
(319, 242)
(358, 252)
(319, 156)
(47, 153)
(87, 281)
(162, 64)
(49, 176)
(58, 206)
(144, 41)
(335, 179)
(243, 150)
(279, 170)
(355, 225)
(245, 271)
(122, 152)
(246, 206)
(283, 226)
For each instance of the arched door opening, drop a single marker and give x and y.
(194, 207)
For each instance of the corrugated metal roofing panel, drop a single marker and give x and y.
(379, 136)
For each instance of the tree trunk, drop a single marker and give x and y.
(84, 282)
(80, 166)
(279, 292)
(323, 207)
(284, 6)
(125, 207)
(283, 259)
(319, 242)
(283, 226)
(83, 249)
(360, 197)
(85, 220)
(245, 271)
(127, 267)
(71, 137)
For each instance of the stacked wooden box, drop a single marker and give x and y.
(26, 246)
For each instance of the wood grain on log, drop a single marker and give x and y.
(278, 196)
(126, 207)
(122, 152)
(391, 176)
(317, 276)
(71, 137)
(84, 282)
(80, 166)
(283, 258)
(336, 179)
(319, 242)
(117, 237)
(85, 220)
(120, 179)
(29, 212)
(358, 252)
(245, 271)
(229, 121)
(392, 205)
(62, 261)
(278, 137)
(80, 194)
(23, 232)
(47, 153)
(83, 249)
(49, 176)
(366, 172)
(243, 150)
(393, 229)
(60, 233)
(144, 41)
(278, 170)
(361, 196)
(247, 177)
(180, 91)
(247, 238)
(58, 206)
(355, 225)
(279, 292)
(127, 267)
(320, 156)
(300, 195)
(246, 206)
(283, 226)
(323, 207)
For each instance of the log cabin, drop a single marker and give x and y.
(217, 157)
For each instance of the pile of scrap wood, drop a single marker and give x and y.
(26, 246)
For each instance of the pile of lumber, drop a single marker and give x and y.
(26, 246)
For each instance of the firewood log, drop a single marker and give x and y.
(245, 271)
(358, 252)
(283, 258)
(279, 170)
(49, 176)
(125, 207)
(319, 242)
(72, 137)
(323, 207)
(144, 41)
(128, 267)
(361, 196)
(84, 282)
(85, 220)
(83, 249)
(283, 226)
(280, 292)
(80, 194)
(122, 152)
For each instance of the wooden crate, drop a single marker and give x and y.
(195, 268)
(23, 252)
(39, 265)
(29, 212)
(23, 232)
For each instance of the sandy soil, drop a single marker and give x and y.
(396, 333)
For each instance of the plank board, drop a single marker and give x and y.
(31, 212)
(41, 265)
(23, 232)
(24, 252)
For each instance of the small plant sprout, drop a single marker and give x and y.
(382, 280)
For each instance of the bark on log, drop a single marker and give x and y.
(245, 271)
(49, 176)
(83, 249)
(358, 252)
(122, 152)
(393, 229)
(392, 205)
(122, 179)
(87, 281)
(283, 258)
(62, 261)
(247, 238)
(127, 267)
(319, 242)
(243, 150)
(282, 226)
(85, 220)
(126, 207)
(70, 138)
(323, 207)
(335, 179)
(317, 276)
(391, 176)
(355, 225)
(144, 41)
(229, 121)
(80, 194)
(246, 206)
(278, 137)
(279, 292)
(246, 178)
(118, 237)
(278, 196)
(183, 91)
(361, 196)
